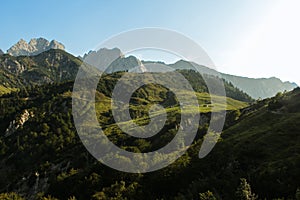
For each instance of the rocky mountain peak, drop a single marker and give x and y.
(56, 45)
(103, 57)
(1, 52)
(34, 47)
(39, 43)
(21, 42)
(104, 52)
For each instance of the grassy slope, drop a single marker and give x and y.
(103, 104)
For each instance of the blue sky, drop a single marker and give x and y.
(239, 35)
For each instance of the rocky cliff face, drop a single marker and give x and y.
(34, 47)
(1, 52)
(15, 124)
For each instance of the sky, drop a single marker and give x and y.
(252, 38)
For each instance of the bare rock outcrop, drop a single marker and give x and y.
(18, 122)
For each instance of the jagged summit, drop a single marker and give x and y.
(34, 47)
(102, 57)
(1, 52)
(110, 60)
(104, 52)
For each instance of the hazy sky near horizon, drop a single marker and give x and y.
(253, 38)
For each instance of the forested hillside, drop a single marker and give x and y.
(41, 154)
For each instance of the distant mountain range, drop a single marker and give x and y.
(260, 87)
(34, 47)
(256, 88)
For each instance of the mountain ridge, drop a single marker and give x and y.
(55, 66)
(260, 87)
(268, 87)
(256, 87)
